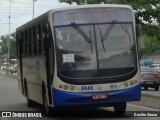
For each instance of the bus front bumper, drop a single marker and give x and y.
(62, 99)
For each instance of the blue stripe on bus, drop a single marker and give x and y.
(61, 98)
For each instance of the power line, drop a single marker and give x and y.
(30, 12)
(29, 4)
(24, 11)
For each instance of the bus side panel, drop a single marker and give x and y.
(62, 98)
(34, 73)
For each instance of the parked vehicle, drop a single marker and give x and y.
(146, 62)
(4, 66)
(13, 68)
(156, 67)
(150, 78)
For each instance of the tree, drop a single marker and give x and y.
(4, 46)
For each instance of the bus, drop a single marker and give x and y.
(80, 56)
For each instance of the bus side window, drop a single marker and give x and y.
(23, 44)
(34, 40)
(29, 40)
(26, 43)
(37, 39)
(42, 38)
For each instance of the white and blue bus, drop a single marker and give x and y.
(80, 56)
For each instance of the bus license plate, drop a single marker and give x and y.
(99, 96)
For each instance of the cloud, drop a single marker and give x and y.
(22, 12)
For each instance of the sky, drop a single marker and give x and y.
(22, 12)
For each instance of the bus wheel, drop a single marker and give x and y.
(146, 88)
(120, 108)
(156, 88)
(46, 107)
(30, 103)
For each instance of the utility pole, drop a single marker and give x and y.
(85, 2)
(33, 8)
(8, 41)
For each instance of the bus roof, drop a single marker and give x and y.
(47, 14)
(92, 6)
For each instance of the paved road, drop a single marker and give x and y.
(151, 91)
(12, 100)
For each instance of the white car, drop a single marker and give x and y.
(5, 65)
(155, 66)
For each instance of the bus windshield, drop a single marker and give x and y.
(97, 50)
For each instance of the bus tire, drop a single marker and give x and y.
(120, 108)
(30, 103)
(46, 107)
(156, 88)
(146, 88)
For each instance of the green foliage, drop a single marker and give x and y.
(4, 46)
(151, 45)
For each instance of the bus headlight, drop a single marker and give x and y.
(71, 88)
(125, 84)
(131, 83)
(60, 86)
(65, 87)
(136, 81)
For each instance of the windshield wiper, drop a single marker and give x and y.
(108, 31)
(79, 30)
(104, 37)
(82, 33)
